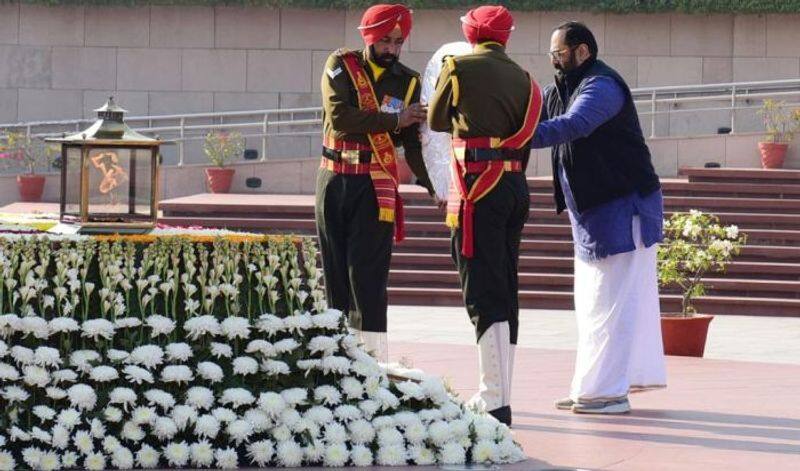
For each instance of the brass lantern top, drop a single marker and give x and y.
(109, 129)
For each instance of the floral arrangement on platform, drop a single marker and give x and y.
(695, 243)
(186, 352)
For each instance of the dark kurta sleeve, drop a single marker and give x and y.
(441, 106)
(413, 147)
(344, 116)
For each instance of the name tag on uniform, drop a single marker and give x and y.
(391, 104)
(332, 73)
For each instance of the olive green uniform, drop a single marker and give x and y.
(356, 247)
(491, 95)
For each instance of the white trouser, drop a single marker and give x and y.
(619, 328)
(376, 343)
(495, 363)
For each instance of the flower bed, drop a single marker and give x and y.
(208, 349)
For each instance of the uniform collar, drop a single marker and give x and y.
(488, 46)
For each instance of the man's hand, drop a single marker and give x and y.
(413, 114)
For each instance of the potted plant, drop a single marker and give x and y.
(221, 148)
(695, 243)
(30, 153)
(781, 124)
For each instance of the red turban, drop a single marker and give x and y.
(490, 23)
(379, 20)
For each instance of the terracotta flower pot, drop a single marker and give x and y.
(685, 336)
(404, 173)
(30, 187)
(772, 154)
(219, 179)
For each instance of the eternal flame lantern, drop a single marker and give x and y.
(109, 174)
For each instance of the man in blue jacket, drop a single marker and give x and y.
(603, 176)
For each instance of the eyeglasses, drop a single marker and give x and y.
(555, 55)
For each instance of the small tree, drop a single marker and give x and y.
(695, 244)
(223, 147)
(26, 151)
(780, 123)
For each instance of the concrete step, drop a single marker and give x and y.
(707, 204)
(741, 175)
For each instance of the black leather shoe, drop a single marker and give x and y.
(502, 414)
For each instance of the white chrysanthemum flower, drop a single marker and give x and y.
(452, 453)
(47, 356)
(389, 436)
(236, 327)
(112, 414)
(285, 346)
(34, 325)
(327, 395)
(387, 399)
(347, 413)
(60, 437)
(327, 320)
(245, 365)
(44, 413)
(289, 418)
(183, 416)
(450, 411)
(16, 434)
(177, 454)
(410, 390)
(49, 461)
(83, 441)
(435, 390)
(308, 364)
(323, 344)
(361, 432)
(289, 454)
(459, 428)
(416, 432)
(336, 455)
(69, 460)
(127, 322)
(110, 444)
(159, 325)
(7, 462)
(239, 431)
(147, 457)
(421, 455)
(384, 421)
(8, 373)
(137, 375)
(132, 432)
(272, 403)
(369, 407)
(224, 415)
(259, 419)
(237, 397)
(319, 415)
(164, 428)
(55, 394)
(3, 348)
(294, 396)
(335, 364)
(270, 324)
(95, 462)
(22, 355)
(207, 426)
(298, 322)
(35, 376)
(439, 432)
(176, 374)
(122, 458)
(144, 415)
(148, 356)
(63, 325)
(103, 374)
(157, 397)
(98, 430)
(69, 418)
(395, 455)
(361, 456)
(210, 371)
(178, 351)
(41, 435)
(221, 350)
(31, 457)
(64, 376)
(96, 329)
(261, 452)
(281, 433)
(226, 458)
(275, 367)
(430, 415)
(199, 397)
(202, 454)
(126, 397)
(202, 325)
(83, 359)
(335, 433)
(485, 451)
(82, 396)
(261, 346)
(365, 369)
(351, 387)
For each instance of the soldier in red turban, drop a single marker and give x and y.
(487, 23)
(384, 29)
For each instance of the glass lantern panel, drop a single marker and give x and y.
(114, 186)
(72, 189)
(142, 167)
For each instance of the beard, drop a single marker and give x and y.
(385, 60)
(564, 68)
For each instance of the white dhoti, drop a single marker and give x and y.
(619, 328)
